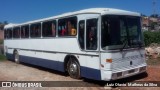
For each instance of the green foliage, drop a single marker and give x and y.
(154, 15)
(2, 24)
(2, 58)
(151, 37)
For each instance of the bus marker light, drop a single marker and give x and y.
(109, 60)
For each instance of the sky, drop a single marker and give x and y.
(19, 11)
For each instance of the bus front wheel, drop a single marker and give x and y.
(73, 68)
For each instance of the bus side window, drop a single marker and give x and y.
(35, 30)
(16, 32)
(5, 33)
(71, 24)
(91, 34)
(25, 31)
(62, 27)
(8, 33)
(22, 32)
(67, 26)
(53, 29)
(49, 29)
(81, 33)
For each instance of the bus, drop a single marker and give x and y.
(96, 43)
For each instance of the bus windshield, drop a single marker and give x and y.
(121, 32)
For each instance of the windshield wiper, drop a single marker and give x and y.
(125, 43)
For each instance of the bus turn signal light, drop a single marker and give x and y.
(109, 60)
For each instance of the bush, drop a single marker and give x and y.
(151, 37)
(2, 58)
(1, 42)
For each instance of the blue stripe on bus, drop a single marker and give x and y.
(9, 56)
(56, 65)
(90, 73)
(51, 64)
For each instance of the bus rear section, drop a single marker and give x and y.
(122, 47)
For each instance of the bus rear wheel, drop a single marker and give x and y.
(73, 68)
(16, 57)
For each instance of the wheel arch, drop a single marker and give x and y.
(15, 50)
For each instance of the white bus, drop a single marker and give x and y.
(97, 43)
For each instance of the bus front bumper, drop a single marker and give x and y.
(111, 75)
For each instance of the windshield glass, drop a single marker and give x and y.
(120, 32)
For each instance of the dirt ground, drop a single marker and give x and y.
(10, 71)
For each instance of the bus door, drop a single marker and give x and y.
(88, 40)
(88, 32)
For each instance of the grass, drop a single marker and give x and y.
(2, 58)
(152, 61)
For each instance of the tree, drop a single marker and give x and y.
(154, 15)
(143, 15)
(2, 24)
(153, 24)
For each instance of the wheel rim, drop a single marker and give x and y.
(16, 57)
(73, 69)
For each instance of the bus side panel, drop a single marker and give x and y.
(9, 56)
(91, 73)
(50, 53)
(90, 67)
(51, 64)
(44, 59)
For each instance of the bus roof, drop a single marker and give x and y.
(101, 11)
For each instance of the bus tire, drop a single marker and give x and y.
(73, 68)
(16, 57)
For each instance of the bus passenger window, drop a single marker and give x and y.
(35, 30)
(16, 32)
(49, 29)
(25, 31)
(8, 33)
(71, 29)
(5, 34)
(81, 34)
(67, 26)
(91, 34)
(22, 32)
(54, 29)
(62, 31)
